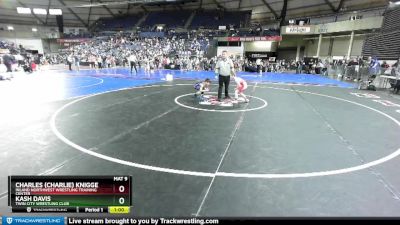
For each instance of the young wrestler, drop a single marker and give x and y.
(241, 85)
(202, 87)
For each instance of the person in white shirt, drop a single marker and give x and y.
(132, 61)
(20, 59)
(224, 69)
(259, 64)
(146, 63)
(99, 62)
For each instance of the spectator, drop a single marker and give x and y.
(70, 61)
(8, 61)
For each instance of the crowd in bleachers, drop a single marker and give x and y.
(185, 51)
(152, 52)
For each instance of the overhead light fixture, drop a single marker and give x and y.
(34, 29)
(10, 28)
(22, 10)
(396, 2)
(39, 11)
(55, 11)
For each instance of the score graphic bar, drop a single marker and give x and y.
(91, 194)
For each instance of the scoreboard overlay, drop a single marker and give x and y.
(88, 194)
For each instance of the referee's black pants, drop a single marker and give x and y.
(9, 68)
(70, 65)
(223, 80)
(133, 64)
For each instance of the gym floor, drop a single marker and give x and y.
(305, 145)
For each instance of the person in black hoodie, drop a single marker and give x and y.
(8, 60)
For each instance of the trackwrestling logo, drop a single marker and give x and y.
(33, 220)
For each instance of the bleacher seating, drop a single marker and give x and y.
(386, 44)
(119, 23)
(391, 20)
(205, 19)
(270, 32)
(383, 45)
(213, 19)
(369, 45)
(171, 19)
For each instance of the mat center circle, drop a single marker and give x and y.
(190, 102)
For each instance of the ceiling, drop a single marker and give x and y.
(85, 12)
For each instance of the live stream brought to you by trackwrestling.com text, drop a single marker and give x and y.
(107, 197)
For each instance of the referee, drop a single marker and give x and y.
(132, 61)
(224, 68)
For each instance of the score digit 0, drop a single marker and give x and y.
(121, 200)
(121, 188)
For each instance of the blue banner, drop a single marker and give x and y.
(151, 34)
(18, 220)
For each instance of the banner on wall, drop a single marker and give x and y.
(234, 51)
(298, 29)
(323, 28)
(261, 55)
(4, 51)
(75, 40)
(266, 38)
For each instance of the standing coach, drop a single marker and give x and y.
(224, 69)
